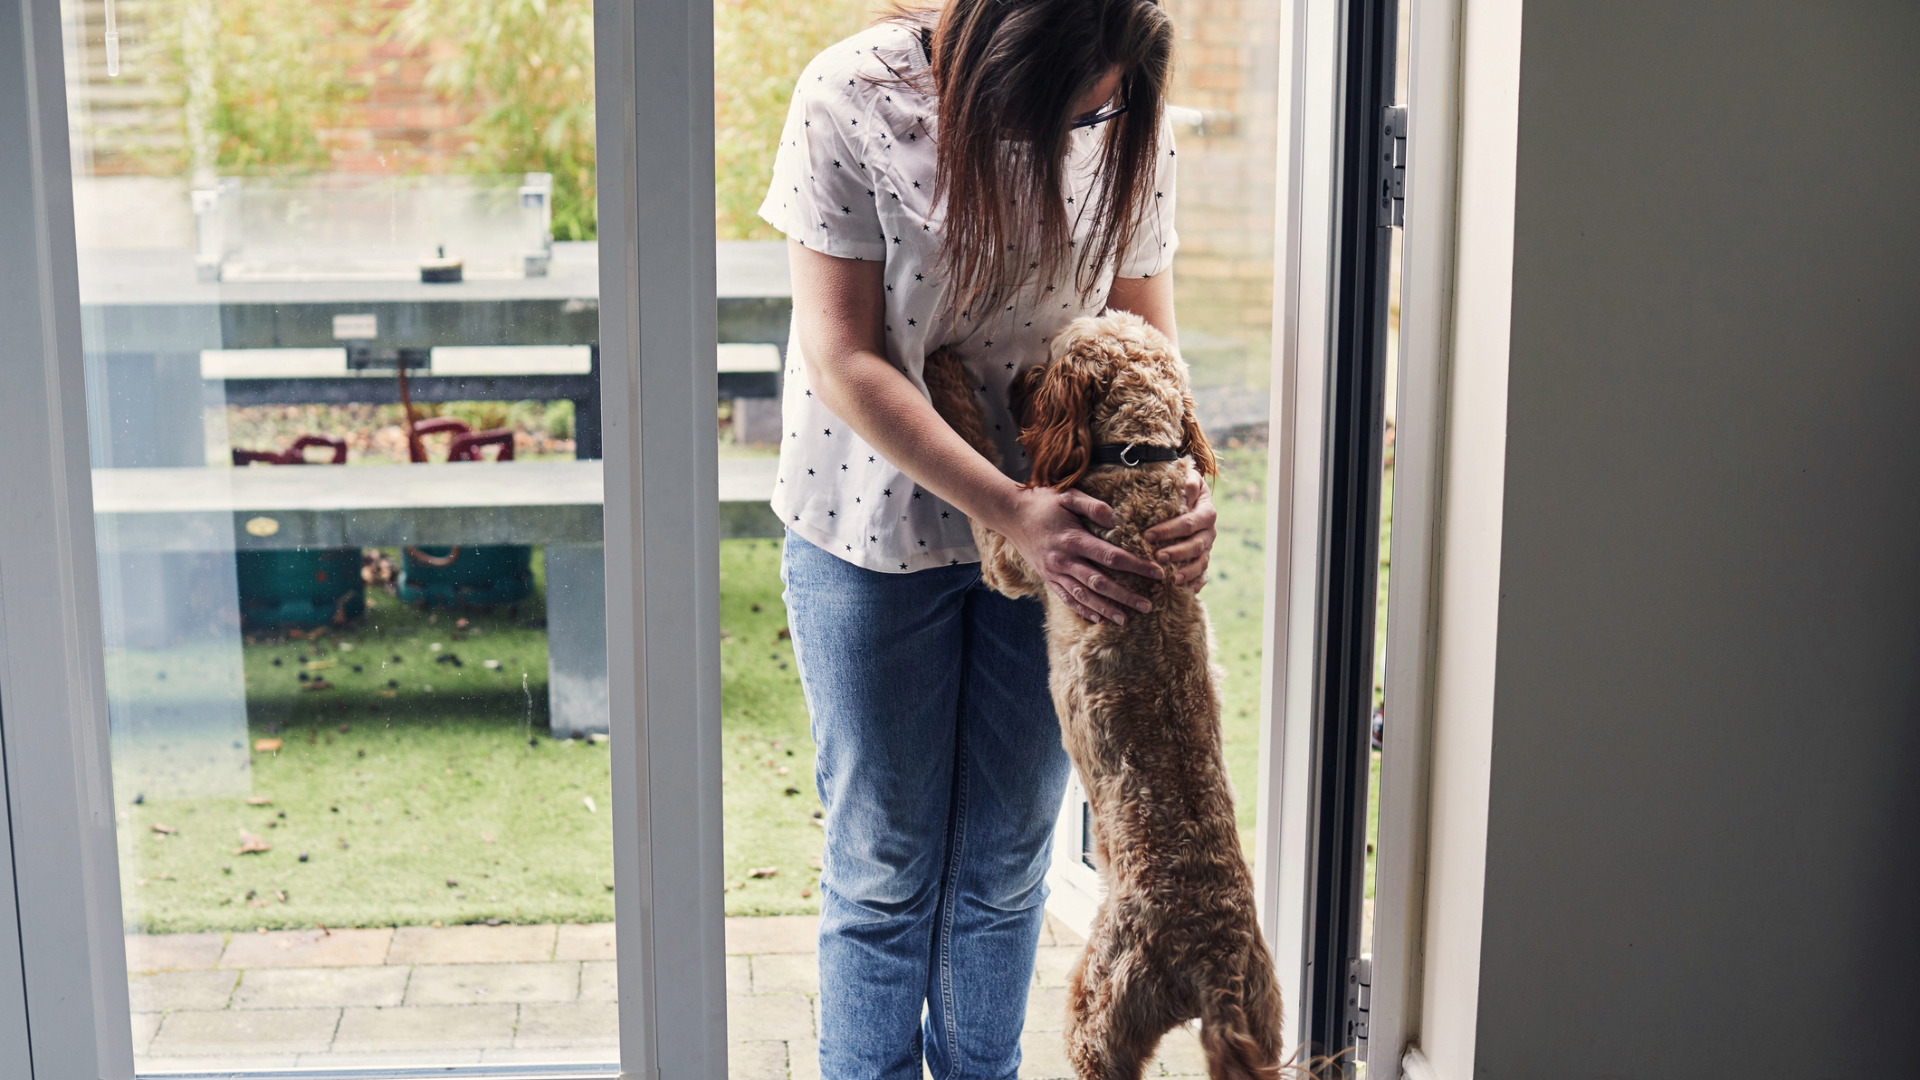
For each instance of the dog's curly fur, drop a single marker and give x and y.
(1176, 937)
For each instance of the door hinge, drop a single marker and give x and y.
(1359, 1003)
(1393, 167)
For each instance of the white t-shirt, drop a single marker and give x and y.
(854, 178)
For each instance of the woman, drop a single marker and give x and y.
(974, 176)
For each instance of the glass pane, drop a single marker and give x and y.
(1227, 131)
(341, 326)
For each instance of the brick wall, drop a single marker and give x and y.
(1227, 64)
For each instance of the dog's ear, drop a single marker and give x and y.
(1193, 441)
(1058, 433)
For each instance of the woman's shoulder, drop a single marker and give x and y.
(856, 68)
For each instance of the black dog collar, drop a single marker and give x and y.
(1133, 454)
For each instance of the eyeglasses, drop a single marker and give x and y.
(1103, 115)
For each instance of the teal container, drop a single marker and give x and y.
(473, 576)
(304, 587)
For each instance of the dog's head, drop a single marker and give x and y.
(1113, 378)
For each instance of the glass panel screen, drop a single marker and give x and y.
(340, 293)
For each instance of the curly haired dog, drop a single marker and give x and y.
(1176, 937)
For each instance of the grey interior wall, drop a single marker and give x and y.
(1704, 839)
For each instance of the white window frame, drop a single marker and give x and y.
(64, 1008)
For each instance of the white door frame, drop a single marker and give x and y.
(64, 1001)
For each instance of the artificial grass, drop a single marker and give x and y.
(449, 776)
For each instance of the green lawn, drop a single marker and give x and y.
(421, 790)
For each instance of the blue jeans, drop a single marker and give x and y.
(942, 772)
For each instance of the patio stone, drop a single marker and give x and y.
(1061, 933)
(392, 1059)
(773, 934)
(226, 1060)
(760, 1059)
(739, 975)
(259, 1031)
(1043, 1056)
(426, 1027)
(481, 984)
(1053, 963)
(1047, 1008)
(595, 1024)
(608, 1056)
(471, 944)
(288, 988)
(173, 952)
(770, 1016)
(599, 981)
(144, 1025)
(170, 991)
(593, 941)
(803, 1059)
(1180, 1054)
(307, 948)
(786, 973)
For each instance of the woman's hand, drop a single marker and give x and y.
(1047, 527)
(1185, 543)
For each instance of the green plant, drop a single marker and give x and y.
(256, 79)
(528, 66)
(759, 49)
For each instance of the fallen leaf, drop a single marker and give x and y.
(388, 693)
(259, 800)
(587, 800)
(816, 863)
(490, 665)
(252, 844)
(260, 903)
(318, 684)
(486, 838)
(782, 770)
(462, 623)
(435, 647)
(784, 634)
(805, 893)
(763, 871)
(167, 830)
(282, 895)
(267, 746)
(793, 791)
(320, 665)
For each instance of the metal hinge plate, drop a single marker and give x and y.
(1393, 167)
(1359, 1003)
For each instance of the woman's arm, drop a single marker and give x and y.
(839, 309)
(1186, 542)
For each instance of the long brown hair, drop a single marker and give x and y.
(1007, 73)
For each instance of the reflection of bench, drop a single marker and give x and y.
(552, 503)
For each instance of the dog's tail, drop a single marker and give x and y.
(953, 398)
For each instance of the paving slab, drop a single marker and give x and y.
(481, 984)
(258, 1031)
(173, 952)
(426, 1027)
(600, 981)
(803, 1059)
(739, 975)
(770, 1016)
(555, 1055)
(471, 944)
(225, 1063)
(1047, 1008)
(1061, 933)
(1043, 1056)
(589, 941)
(289, 988)
(759, 1059)
(786, 973)
(576, 1024)
(1180, 1054)
(169, 991)
(144, 1026)
(308, 949)
(1053, 963)
(773, 934)
(392, 1059)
